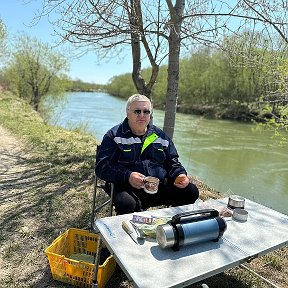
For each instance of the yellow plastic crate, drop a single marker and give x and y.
(77, 273)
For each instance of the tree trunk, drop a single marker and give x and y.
(173, 67)
(36, 99)
(134, 18)
(138, 38)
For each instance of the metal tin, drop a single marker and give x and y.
(240, 215)
(236, 201)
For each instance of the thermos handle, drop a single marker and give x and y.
(190, 216)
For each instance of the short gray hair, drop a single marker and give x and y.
(137, 98)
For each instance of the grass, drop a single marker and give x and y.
(54, 193)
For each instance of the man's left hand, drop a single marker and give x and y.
(181, 181)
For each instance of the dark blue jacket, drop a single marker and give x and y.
(121, 153)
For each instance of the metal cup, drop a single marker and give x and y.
(240, 215)
(236, 201)
(150, 184)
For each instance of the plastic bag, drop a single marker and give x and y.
(149, 230)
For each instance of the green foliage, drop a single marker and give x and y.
(238, 81)
(79, 85)
(121, 86)
(277, 124)
(51, 143)
(159, 88)
(35, 71)
(3, 35)
(2, 30)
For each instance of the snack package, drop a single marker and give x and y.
(149, 230)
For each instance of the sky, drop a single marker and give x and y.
(17, 17)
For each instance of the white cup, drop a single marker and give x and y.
(150, 184)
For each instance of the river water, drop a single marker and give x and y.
(231, 157)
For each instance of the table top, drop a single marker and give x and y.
(148, 265)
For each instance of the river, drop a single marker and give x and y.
(231, 157)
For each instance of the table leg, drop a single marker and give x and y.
(96, 263)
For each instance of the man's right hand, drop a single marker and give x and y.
(136, 180)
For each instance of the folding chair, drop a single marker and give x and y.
(98, 188)
(96, 196)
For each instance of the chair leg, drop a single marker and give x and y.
(111, 199)
(93, 203)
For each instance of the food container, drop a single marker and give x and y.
(236, 201)
(240, 215)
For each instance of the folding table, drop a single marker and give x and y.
(148, 265)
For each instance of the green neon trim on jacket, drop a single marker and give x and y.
(148, 140)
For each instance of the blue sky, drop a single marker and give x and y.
(17, 17)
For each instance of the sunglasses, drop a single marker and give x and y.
(138, 112)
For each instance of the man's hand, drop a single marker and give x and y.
(181, 181)
(136, 180)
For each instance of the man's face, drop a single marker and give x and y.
(139, 116)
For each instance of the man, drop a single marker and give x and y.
(135, 149)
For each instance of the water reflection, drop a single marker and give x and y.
(231, 157)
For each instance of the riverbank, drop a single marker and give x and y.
(46, 188)
(241, 112)
(237, 112)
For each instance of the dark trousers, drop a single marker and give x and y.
(127, 199)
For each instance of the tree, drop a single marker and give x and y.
(268, 69)
(3, 36)
(160, 29)
(116, 87)
(3, 52)
(35, 70)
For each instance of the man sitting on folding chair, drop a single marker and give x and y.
(135, 149)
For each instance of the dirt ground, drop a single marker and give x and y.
(12, 167)
(23, 221)
(17, 216)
